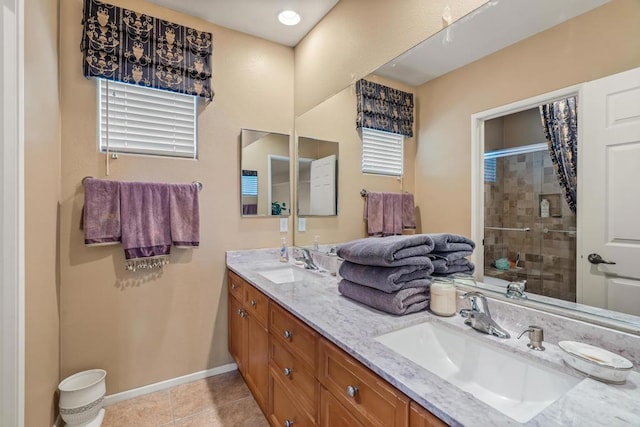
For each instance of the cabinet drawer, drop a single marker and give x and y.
(296, 337)
(283, 409)
(236, 286)
(365, 395)
(333, 414)
(420, 417)
(296, 376)
(257, 304)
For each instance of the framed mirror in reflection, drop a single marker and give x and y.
(265, 185)
(317, 177)
(453, 77)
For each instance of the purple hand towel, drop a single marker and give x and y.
(402, 302)
(373, 213)
(387, 279)
(392, 217)
(101, 216)
(185, 215)
(146, 222)
(408, 211)
(391, 251)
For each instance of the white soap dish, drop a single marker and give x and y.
(596, 362)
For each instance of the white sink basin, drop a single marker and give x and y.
(517, 387)
(285, 274)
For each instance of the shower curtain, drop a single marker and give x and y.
(560, 123)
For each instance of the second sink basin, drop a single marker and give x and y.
(517, 387)
(285, 274)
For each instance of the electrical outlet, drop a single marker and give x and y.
(302, 224)
(284, 225)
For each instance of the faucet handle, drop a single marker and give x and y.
(474, 296)
(536, 336)
(516, 289)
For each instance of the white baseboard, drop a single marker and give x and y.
(163, 385)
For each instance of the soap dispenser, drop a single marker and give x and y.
(284, 253)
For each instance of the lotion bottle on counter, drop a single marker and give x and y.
(284, 253)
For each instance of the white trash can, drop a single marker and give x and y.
(81, 397)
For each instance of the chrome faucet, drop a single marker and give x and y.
(306, 259)
(516, 289)
(479, 316)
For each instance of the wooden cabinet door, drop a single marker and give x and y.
(237, 334)
(333, 414)
(420, 417)
(257, 361)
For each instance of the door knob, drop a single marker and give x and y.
(597, 259)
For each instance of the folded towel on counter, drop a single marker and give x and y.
(373, 213)
(391, 251)
(449, 256)
(405, 301)
(387, 279)
(393, 213)
(442, 267)
(185, 214)
(146, 224)
(444, 242)
(101, 216)
(408, 211)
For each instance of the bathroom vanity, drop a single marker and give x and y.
(313, 357)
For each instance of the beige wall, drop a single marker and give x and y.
(141, 327)
(340, 112)
(514, 130)
(594, 45)
(358, 36)
(42, 192)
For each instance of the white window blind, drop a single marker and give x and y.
(141, 120)
(382, 152)
(249, 185)
(490, 169)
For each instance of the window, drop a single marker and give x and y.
(140, 120)
(382, 152)
(249, 183)
(490, 169)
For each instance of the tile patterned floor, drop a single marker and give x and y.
(220, 401)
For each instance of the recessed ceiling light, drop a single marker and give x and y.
(289, 17)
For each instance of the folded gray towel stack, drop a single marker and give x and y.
(405, 301)
(449, 252)
(392, 274)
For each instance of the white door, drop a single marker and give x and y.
(610, 193)
(323, 186)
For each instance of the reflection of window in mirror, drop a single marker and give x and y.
(382, 152)
(249, 192)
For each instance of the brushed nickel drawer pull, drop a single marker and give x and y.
(288, 423)
(253, 303)
(242, 313)
(287, 372)
(352, 390)
(287, 334)
(234, 286)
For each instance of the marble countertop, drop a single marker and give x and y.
(353, 327)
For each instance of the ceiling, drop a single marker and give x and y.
(491, 27)
(256, 17)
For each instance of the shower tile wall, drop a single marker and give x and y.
(547, 260)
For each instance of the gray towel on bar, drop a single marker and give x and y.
(444, 242)
(387, 279)
(404, 301)
(373, 213)
(185, 215)
(391, 251)
(392, 214)
(408, 211)
(442, 268)
(101, 212)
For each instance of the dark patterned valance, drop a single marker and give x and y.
(384, 108)
(130, 47)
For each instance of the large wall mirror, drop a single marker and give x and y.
(265, 186)
(317, 177)
(478, 64)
